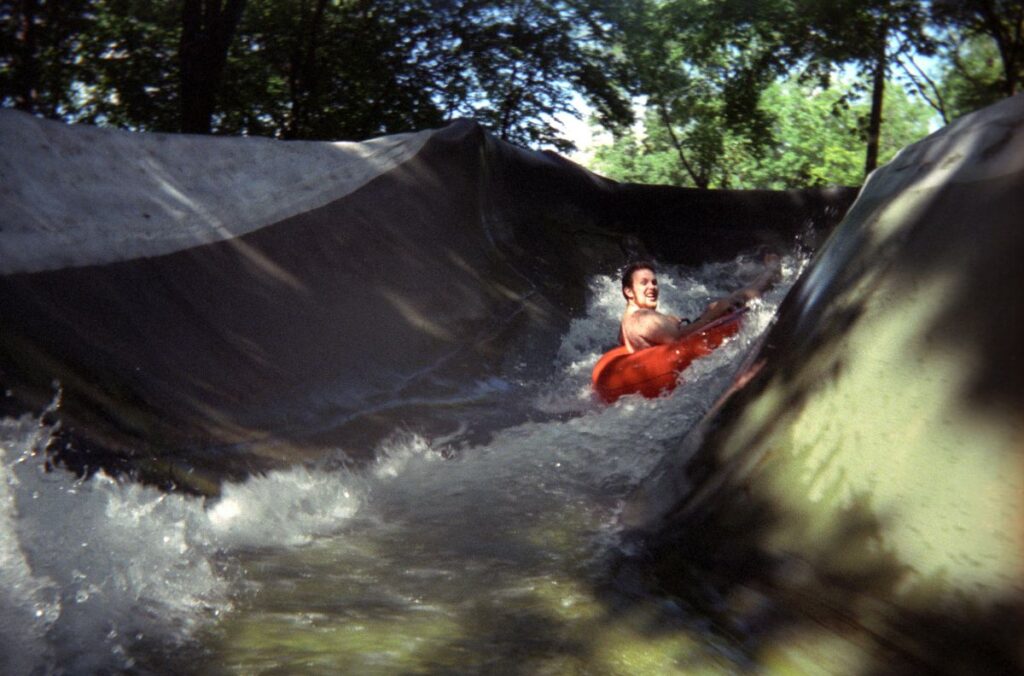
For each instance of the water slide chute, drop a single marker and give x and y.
(217, 306)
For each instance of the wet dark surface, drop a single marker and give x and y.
(444, 272)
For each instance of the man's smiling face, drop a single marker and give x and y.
(643, 291)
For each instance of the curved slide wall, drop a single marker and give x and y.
(233, 304)
(858, 505)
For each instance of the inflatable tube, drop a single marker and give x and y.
(656, 369)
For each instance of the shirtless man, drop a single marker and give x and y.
(643, 326)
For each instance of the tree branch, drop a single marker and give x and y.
(935, 99)
(667, 121)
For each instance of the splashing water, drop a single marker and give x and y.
(440, 556)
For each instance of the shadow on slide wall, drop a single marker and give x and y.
(858, 505)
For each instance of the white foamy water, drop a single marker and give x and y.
(95, 573)
(93, 567)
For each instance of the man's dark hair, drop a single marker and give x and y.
(627, 274)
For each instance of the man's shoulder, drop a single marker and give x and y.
(643, 313)
(644, 316)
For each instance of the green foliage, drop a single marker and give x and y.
(705, 71)
(522, 61)
(327, 69)
(819, 136)
(973, 77)
(816, 139)
(633, 158)
(125, 68)
(38, 44)
(701, 68)
(984, 44)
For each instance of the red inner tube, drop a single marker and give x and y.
(656, 369)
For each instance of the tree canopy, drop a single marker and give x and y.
(732, 92)
(327, 69)
(708, 74)
(814, 140)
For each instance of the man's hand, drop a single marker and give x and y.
(739, 299)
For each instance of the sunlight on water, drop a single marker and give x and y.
(440, 556)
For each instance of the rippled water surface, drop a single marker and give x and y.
(445, 555)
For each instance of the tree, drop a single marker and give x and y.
(207, 31)
(522, 61)
(700, 74)
(35, 35)
(350, 70)
(320, 70)
(816, 141)
(972, 78)
(125, 66)
(817, 137)
(131, 63)
(1001, 21)
(310, 68)
(870, 35)
(704, 65)
(699, 67)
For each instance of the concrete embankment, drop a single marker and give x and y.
(856, 504)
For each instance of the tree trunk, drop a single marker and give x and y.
(509, 104)
(26, 64)
(1008, 39)
(302, 76)
(208, 26)
(877, 96)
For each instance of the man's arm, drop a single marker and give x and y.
(740, 298)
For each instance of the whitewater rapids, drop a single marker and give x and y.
(446, 552)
